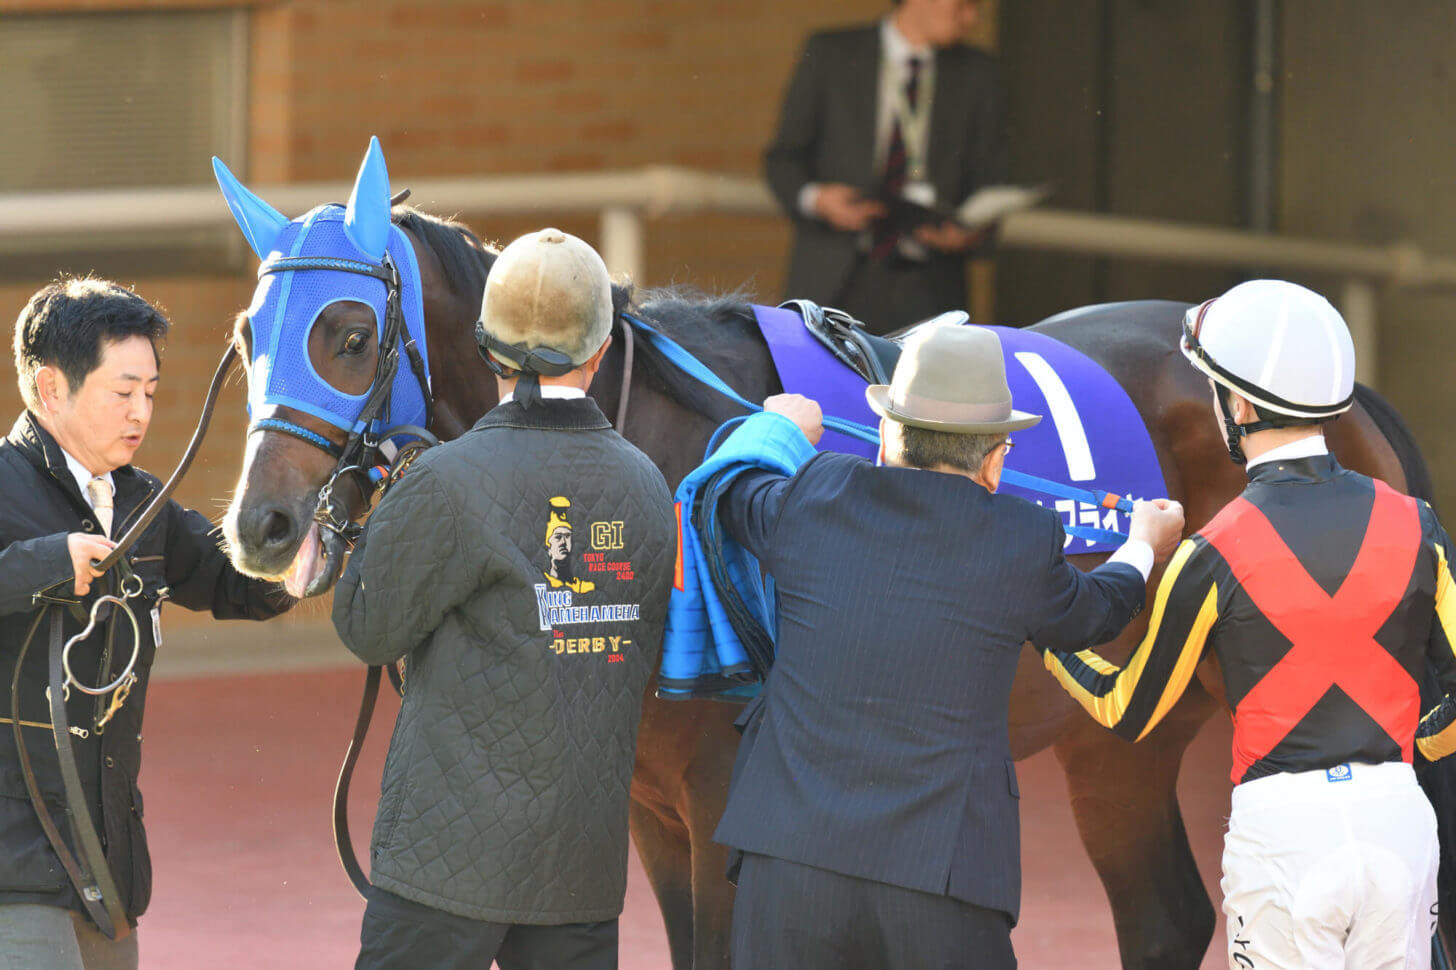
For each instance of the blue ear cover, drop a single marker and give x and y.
(258, 220)
(366, 220)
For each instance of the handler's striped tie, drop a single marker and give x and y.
(885, 236)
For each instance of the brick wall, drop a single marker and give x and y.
(454, 88)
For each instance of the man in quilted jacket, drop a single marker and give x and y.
(522, 572)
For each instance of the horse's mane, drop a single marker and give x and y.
(717, 329)
(465, 259)
(1418, 481)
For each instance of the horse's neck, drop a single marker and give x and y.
(463, 387)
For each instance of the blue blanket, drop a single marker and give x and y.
(1092, 435)
(702, 653)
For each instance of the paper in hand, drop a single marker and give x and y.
(995, 202)
(987, 206)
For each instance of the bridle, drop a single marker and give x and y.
(354, 457)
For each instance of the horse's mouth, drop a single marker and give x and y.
(308, 564)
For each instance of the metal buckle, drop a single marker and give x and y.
(326, 514)
(136, 640)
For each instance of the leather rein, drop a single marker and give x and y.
(87, 868)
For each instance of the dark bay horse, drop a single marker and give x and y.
(1123, 795)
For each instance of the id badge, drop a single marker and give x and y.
(157, 618)
(920, 192)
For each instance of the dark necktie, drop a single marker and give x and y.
(884, 235)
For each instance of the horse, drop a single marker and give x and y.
(1123, 795)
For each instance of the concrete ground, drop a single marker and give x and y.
(244, 733)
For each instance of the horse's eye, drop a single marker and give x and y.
(355, 342)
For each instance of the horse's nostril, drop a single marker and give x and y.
(277, 528)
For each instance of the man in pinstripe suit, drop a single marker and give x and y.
(874, 800)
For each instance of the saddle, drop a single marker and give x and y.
(872, 358)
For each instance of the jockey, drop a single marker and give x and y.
(1321, 593)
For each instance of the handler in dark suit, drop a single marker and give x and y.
(900, 108)
(874, 795)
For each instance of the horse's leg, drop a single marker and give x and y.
(1125, 801)
(663, 845)
(685, 753)
(706, 796)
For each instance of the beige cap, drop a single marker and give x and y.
(548, 289)
(950, 378)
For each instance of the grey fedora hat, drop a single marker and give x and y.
(950, 378)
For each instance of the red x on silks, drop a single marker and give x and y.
(1332, 637)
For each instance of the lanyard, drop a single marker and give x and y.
(914, 121)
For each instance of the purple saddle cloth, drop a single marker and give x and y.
(1090, 436)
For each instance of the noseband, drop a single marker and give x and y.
(353, 458)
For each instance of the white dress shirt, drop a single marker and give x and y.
(82, 476)
(83, 480)
(1302, 448)
(558, 391)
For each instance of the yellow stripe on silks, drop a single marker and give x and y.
(1108, 709)
(1443, 742)
(1438, 745)
(1187, 659)
(1091, 659)
(1445, 599)
(1070, 684)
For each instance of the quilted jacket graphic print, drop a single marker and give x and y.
(523, 571)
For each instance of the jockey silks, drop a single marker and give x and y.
(1323, 593)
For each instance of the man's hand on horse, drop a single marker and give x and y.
(948, 237)
(84, 549)
(801, 410)
(1159, 523)
(843, 207)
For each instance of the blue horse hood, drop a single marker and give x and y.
(287, 304)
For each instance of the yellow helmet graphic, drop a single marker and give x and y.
(560, 505)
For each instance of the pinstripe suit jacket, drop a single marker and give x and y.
(826, 133)
(879, 745)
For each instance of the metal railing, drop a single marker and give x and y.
(626, 200)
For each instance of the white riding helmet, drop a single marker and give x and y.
(547, 305)
(1283, 347)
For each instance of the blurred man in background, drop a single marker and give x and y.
(899, 109)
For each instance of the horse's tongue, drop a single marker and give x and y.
(306, 564)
